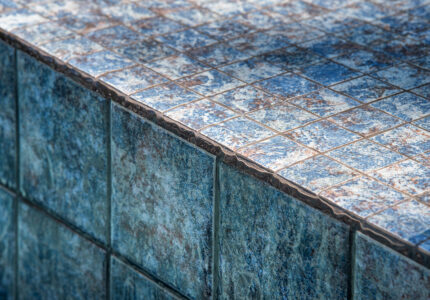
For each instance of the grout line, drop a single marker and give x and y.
(216, 227)
(17, 174)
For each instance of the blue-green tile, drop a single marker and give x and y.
(126, 283)
(273, 246)
(56, 263)
(7, 245)
(63, 146)
(162, 190)
(7, 115)
(381, 273)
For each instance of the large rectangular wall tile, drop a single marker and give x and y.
(7, 115)
(56, 263)
(381, 273)
(63, 146)
(126, 283)
(274, 246)
(7, 245)
(162, 194)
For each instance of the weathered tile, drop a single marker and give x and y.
(317, 173)
(276, 153)
(197, 115)
(127, 13)
(423, 62)
(217, 54)
(364, 61)
(7, 115)
(131, 80)
(237, 132)
(272, 245)
(328, 73)
(368, 11)
(259, 43)
(114, 36)
(70, 48)
(58, 9)
(407, 139)
(156, 26)
(404, 76)
(174, 209)
(19, 18)
(298, 9)
(87, 21)
(296, 32)
(229, 8)
(177, 66)
(164, 97)
(363, 196)
(42, 33)
(186, 40)
(406, 106)
(262, 19)
(292, 58)
(333, 22)
(331, 4)
(408, 176)
(225, 29)
(404, 48)
(192, 16)
(7, 245)
(423, 91)
(288, 85)
(322, 135)
(409, 220)
(365, 155)
(329, 46)
(404, 24)
(424, 123)
(381, 273)
(245, 99)
(63, 146)
(367, 34)
(125, 282)
(100, 62)
(365, 120)
(145, 51)
(366, 89)
(56, 263)
(282, 117)
(210, 82)
(252, 70)
(325, 102)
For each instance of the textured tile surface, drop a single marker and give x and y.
(63, 146)
(56, 263)
(274, 246)
(162, 191)
(7, 245)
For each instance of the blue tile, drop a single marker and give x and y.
(331, 4)
(127, 283)
(365, 155)
(19, 18)
(407, 139)
(274, 246)
(259, 43)
(100, 62)
(423, 91)
(298, 9)
(252, 70)
(329, 46)
(424, 123)
(364, 61)
(127, 13)
(145, 51)
(328, 73)
(365, 120)
(164, 97)
(86, 21)
(7, 115)
(333, 22)
(7, 246)
(217, 54)
(282, 116)
(225, 29)
(317, 173)
(63, 146)
(404, 24)
(131, 80)
(114, 36)
(325, 102)
(292, 58)
(70, 48)
(156, 26)
(228, 8)
(367, 34)
(404, 76)
(322, 135)
(186, 40)
(56, 263)
(363, 196)
(210, 82)
(295, 32)
(369, 11)
(177, 66)
(406, 106)
(381, 273)
(237, 132)
(42, 33)
(423, 62)
(409, 220)
(288, 85)
(366, 89)
(262, 19)
(197, 115)
(276, 153)
(404, 48)
(174, 209)
(192, 16)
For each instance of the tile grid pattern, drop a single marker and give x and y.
(210, 83)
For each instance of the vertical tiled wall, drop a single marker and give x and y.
(178, 223)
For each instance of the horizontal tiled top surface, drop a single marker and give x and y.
(333, 95)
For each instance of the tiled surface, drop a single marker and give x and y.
(381, 273)
(162, 193)
(7, 245)
(266, 238)
(55, 262)
(272, 73)
(63, 146)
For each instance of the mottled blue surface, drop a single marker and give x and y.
(328, 73)
(56, 263)
(217, 54)
(177, 66)
(127, 283)
(288, 85)
(292, 58)
(7, 115)
(404, 76)
(381, 273)
(7, 245)
(273, 246)
(162, 190)
(63, 146)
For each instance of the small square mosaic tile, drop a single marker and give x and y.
(217, 54)
(186, 40)
(288, 85)
(177, 66)
(328, 73)
(404, 76)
